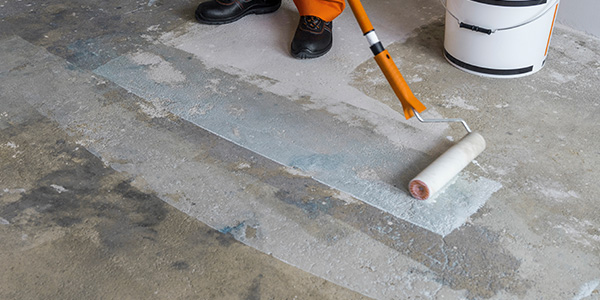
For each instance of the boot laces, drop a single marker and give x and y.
(313, 22)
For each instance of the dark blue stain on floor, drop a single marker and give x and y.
(236, 228)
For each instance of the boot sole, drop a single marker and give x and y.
(306, 54)
(255, 11)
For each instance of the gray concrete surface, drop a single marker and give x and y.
(144, 155)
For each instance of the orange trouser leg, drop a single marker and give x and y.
(324, 9)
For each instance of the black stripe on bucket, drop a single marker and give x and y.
(504, 72)
(512, 3)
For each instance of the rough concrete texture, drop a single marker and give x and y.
(76, 229)
(99, 171)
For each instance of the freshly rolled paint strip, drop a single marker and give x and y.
(444, 168)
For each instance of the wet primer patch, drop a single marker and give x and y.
(313, 141)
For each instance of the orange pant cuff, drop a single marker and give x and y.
(324, 9)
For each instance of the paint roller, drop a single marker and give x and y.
(439, 173)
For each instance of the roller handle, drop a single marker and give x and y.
(386, 63)
(361, 16)
(398, 84)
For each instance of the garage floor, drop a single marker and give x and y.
(145, 156)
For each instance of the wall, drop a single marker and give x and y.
(581, 15)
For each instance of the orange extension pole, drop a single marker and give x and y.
(386, 64)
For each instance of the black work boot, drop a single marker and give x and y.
(313, 38)
(227, 11)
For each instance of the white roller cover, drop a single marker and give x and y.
(442, 170)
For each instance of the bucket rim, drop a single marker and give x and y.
(541, 13)
(512, 3)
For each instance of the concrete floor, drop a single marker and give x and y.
(145, 156)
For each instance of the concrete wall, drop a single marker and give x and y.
(581, 15)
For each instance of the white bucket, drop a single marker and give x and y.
(499, 38)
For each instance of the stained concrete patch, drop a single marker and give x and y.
(76, 229)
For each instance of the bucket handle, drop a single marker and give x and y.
(490, 31)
